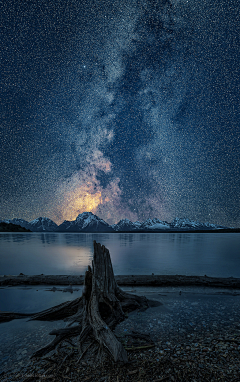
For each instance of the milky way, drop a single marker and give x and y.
(123, 108)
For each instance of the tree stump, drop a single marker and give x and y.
(102, 306)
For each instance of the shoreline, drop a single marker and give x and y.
(192, 339)
(124, 280)
(179, 230)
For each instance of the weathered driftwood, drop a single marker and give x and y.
(59, 312)
(102, 306)
(8, 316)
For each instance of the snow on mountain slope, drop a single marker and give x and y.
(190, 224)
(42, 224)
(125, 225)
(21, 222)
(137, 224)
(154, 224)
(86, 222)
(37, 225)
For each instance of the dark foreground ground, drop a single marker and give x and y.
(9, 227)
(195, 332)
(128, 280)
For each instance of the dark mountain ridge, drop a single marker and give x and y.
(9, 227)
(88, 222)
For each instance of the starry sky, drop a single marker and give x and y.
(126, 108)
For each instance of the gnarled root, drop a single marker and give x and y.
(102, 306)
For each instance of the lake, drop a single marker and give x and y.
(213, 254)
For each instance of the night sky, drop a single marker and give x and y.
(129, 109)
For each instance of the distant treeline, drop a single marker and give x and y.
(9, 227)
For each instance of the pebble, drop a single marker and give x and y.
(178, 333)
(26, 341)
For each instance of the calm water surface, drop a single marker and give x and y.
(166, 253)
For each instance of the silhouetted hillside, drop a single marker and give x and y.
(9, 227)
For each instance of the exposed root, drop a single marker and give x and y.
(102, 306)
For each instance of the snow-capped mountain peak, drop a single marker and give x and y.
(40, 219)
(124, 225)
(43, 224)
(137, 224)
(87, 218)
(192, 224)
(21, 222)
(88, 222)
(154, 224)
(84, 215)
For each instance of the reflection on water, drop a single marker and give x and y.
(35, 299)
(167, 253)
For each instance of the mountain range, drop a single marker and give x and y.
(88, 222)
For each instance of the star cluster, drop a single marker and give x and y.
(128, 109)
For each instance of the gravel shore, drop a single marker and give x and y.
(195, 335)
(195, 358)
(124, 280)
